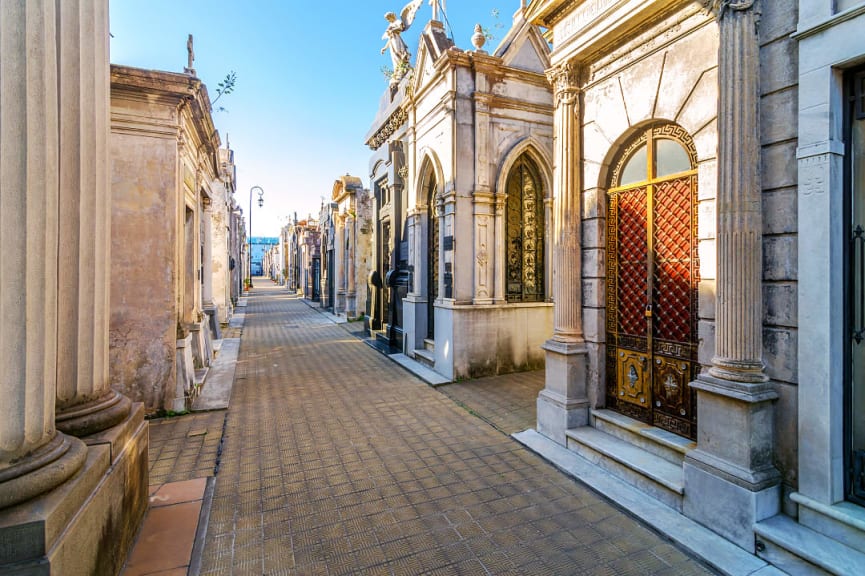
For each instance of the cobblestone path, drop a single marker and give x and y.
(338, 461)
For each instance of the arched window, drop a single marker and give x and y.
(524, 233)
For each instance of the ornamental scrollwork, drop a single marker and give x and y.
(397, 119)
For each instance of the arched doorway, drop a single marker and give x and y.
(432, 243)
(652, 277)
(524, 233)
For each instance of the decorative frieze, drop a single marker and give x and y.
(397, 119)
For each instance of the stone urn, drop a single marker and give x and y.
(478, 38)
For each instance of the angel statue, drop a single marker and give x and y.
(399, 53)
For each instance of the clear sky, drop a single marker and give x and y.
(308, 81)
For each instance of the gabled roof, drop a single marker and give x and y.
(523, 47)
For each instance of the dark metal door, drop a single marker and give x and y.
(432, 261)
(854, 389)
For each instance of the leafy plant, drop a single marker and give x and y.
(498, 25)
(223, 88)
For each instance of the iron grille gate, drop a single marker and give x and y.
(652, 276)
(524, 224)
(432, 260)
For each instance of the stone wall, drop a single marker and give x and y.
(779, 104)
(144, 312)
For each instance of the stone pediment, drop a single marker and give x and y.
(524, 48)
(433, 43)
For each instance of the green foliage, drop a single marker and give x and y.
(498, 25)
(223, 88)
(167, 414)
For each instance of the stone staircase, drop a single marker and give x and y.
(427, 354)
(646, 457)
(834, 544)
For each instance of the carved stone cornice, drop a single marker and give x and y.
(565, 80)
(397, 119)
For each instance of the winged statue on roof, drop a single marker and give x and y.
(399, 54)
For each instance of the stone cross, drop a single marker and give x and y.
(190, 52)
(436, 5)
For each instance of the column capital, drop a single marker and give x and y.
(565, 79)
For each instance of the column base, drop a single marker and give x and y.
(44, 469)
(87, 524)
(731, 482)
(94, 416)
(725, 507)
(212, 313)
(563, 403)
(184, 377)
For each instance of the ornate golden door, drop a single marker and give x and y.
(652, 277)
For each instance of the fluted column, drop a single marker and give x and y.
(567, 195)
(350, 230)
(85, 402)
(34, 457)
(563, 403)
(735, 436)
(739, 310)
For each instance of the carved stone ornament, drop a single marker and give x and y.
(719, 7)
(564, 77)
(397, 119)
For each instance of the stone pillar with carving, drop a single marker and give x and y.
(732, 466)
(34, 456)
(86, 404)
(499, 250)
(350, 250)
(485, 241)
(339, 264)
(563, 403)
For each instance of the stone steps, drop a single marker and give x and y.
(798, 550)
(641, 455)
(425, 357)
(667, 445)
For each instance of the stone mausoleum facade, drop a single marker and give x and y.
(708, 232)
(169, 180)
(462, 179)
(345, 233)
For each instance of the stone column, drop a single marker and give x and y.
(34, 456)
(85, 402)
(732, 466)
(339, 265)
(500, 250)
(207, 257)
(484, 245)
(351, 284)
(563, 403)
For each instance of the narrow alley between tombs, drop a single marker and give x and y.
(336, 460)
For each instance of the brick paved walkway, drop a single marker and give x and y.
(508, 402)
(338, 461)
(184, 447)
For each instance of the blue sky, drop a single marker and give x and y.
(308, 80)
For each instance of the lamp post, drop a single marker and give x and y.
(260, 204)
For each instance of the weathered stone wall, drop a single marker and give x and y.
(779, 137)
(144, 316)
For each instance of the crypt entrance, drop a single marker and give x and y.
(652, 279)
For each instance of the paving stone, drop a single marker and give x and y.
(337, 461)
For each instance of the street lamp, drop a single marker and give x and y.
(260, 204)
